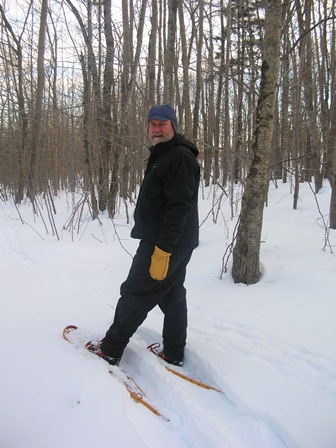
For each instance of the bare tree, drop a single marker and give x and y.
(332, 137)
(106, 121)
(226, 54)
(185, 67)
(170, 61)
(38, 108)
(152, 53)
(17, 61)
(198, 87)
(127, 111)
(306, 53)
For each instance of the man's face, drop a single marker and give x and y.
(160, 131)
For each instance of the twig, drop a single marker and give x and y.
(325, 226)
(25, 223)
(119, 239)
(228, 251)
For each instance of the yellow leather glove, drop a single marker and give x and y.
(159, 264)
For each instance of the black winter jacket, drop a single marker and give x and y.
(166, 212)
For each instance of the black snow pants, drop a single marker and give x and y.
(140, 294)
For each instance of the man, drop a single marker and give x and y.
(166, 222)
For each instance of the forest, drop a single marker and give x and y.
(77, 78)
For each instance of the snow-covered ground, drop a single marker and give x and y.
(270, 347)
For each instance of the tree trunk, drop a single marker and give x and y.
(186, 84)
(331, 166)
(238, 131)
(332, 152)
(226, 32)
(171, 53)
(106, 119)
(198, 72)
(333, 204)
(152, 54)
(284, 139)
(88, 174)
(37, 124)
(306, 53)
(246, 253)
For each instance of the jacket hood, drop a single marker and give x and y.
(178, 139)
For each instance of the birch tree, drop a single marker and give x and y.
(246, 253)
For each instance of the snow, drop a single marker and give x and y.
(269, 347)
